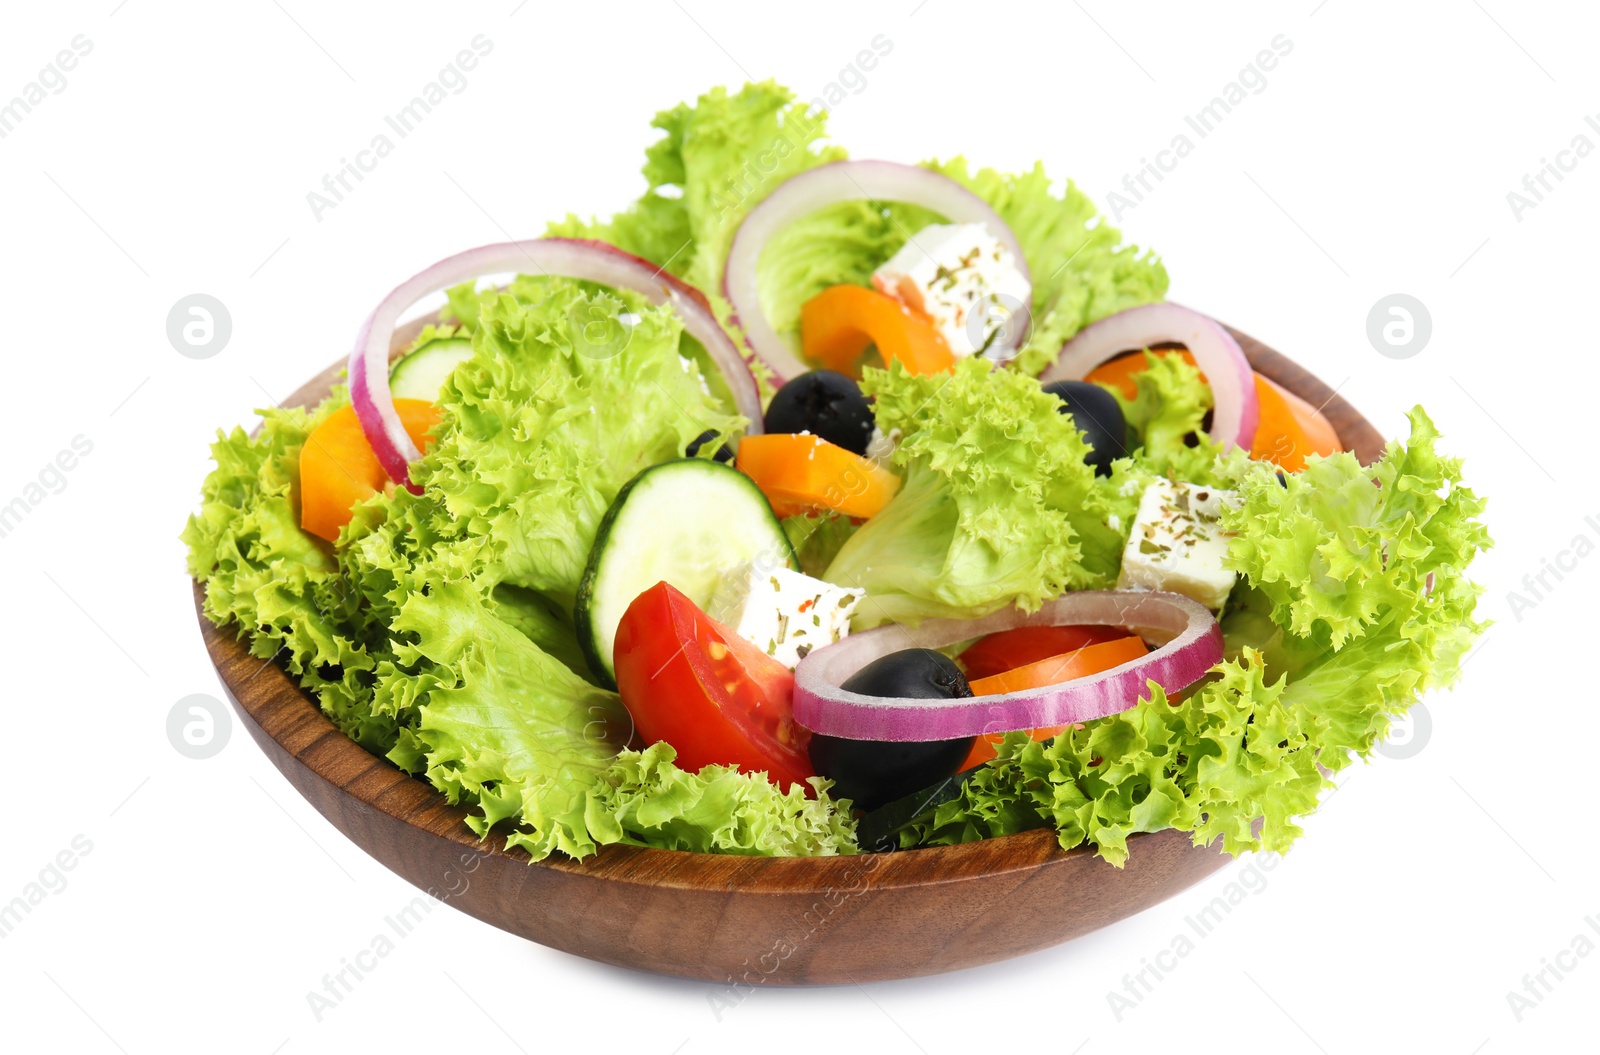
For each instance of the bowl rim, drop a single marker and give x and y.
(289, 725)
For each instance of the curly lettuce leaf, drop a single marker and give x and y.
(645, 800)
(997, 505)
(569, 393)
(504, 725)
(1356, 600)
(563, 402)
(433, 631)
(1231, 752)
(719, 157)
(508, 729)
(277, 584)
(1169, 409)
(1359, 573)
(438, 332)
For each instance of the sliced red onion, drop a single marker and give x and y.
(829, 184)
(1216, 353)
(1193, 645)
(566, 257)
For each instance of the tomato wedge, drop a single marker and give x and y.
(1080, 663)
(839, 324)
(1010, 649)
(800, 473)
(339, 470)
(1289, 428)
(717, 699)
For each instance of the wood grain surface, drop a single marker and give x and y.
(728, 920)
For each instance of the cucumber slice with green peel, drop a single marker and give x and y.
(423, 371)
(686, 522)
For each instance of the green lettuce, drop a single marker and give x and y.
(1166, 438)
(534, 749)
(438, 629)
(721, 156)
(1355, 601)
(997, 506)
(279, 585)
(1229, 753)
(716, 159)
(1167, 413)
(644, 800)
(563, 402)
(501, 723)
(1362, 596)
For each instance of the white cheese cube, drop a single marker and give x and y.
(961, 278)
(1178, 545)
(782, 612)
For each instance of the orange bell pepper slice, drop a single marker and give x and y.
(1079, 663)
(799, 473)
(839, 324)
(338, 469)
(1288, 429)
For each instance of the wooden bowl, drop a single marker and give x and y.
(772, 921)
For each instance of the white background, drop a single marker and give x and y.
(1377, 160)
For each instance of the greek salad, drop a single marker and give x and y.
(813, 506)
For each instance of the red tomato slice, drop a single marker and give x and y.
(1010, 649)
(717, 699)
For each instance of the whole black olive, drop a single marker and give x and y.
(1098, 416)
(823, 403)
(871, 772)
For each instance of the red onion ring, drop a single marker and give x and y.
(1193, 646)
(567, 257)
(1216, 353)
(830, 184)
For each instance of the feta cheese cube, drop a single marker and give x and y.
(1178, 545)
(784, 613)
(961, 278)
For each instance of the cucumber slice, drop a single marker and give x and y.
(686, 522)
(424, 370)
